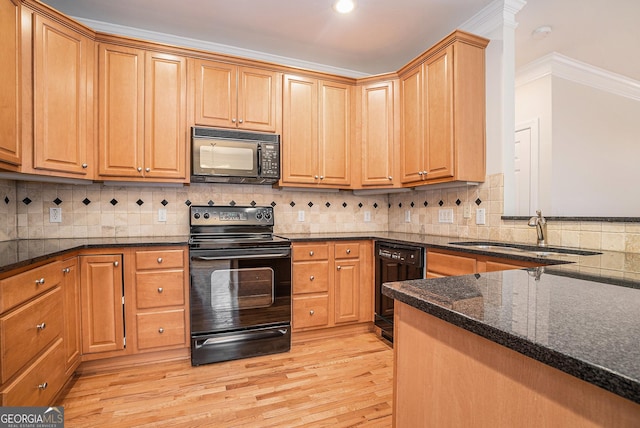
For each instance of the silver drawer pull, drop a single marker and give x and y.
(161, 330)
(159, 259)
(43, 386)
(41, 326)
(116, 264)
(66, 270)
(311, 278)
(311, 312)
(311, 253)
(85, 166)
(339, 267)
(348, 250)
(160, 289)
(40, 281)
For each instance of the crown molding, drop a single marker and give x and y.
(558, 65)
(171, 39)
(493, 17)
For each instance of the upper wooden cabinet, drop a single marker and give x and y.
(230, 96)
(379, 134)
(443, 113)
(10, 84)
(142, 115)
(316, 134)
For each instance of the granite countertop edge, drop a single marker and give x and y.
(600, 376)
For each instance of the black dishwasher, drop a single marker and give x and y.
(394, 262)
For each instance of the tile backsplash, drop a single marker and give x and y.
(97, 210)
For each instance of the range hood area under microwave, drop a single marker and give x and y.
(232, 156)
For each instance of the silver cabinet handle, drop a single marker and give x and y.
(116, 264)
(66, 270)
(85, 166)
(311, 312)
(43, 386)
(161, 330)
(424, 173)
(311, 253)
(41, 326)
(160, 289)
(147, 169)
(420, 173)
(390, 178)
(233, 120)
(40, 281)
(241, 121)
(322, 177)
(139, 169)
(159, 259)
(339, 267)
(348, 250)
(315, 176)
(311, 278)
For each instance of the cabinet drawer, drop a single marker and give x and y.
(40, 382)
(158, 289)
(347, 250)
(306, 252)
(159, 329)
(311, 277)
(160, 259)
(310, 311)
(28, 330)
(24, 286)
(450, 265)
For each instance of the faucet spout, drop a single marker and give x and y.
(540, 223)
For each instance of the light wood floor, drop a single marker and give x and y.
(341, 382)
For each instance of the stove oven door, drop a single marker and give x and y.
(240, 303)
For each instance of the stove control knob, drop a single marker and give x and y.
(196, 216)
(267, 215)
(206, 215)
(259, 216)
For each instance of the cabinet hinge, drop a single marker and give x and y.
(123, 300)
(125, 342)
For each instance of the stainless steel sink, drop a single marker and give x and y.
(531, 249)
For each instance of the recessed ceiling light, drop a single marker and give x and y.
(344, 6)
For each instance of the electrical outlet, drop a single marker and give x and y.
(300, 215)
(445, 215)
(367, 216)
(467, 211)
(55, 215)
(162, 214)
(407, 216)
(480, 216)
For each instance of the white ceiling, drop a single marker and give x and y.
(380, 35)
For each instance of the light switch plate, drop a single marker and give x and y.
(480, 216)
(367, 216)
(445, 215)
(162, 214)
(467, 211)
(407, 216)
(300, 215)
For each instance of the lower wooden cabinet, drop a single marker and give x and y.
(332, 284)
(451, 263)
(72, 317)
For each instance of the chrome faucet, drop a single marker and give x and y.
(540, 223)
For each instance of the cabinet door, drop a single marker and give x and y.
(438, 113)
(257, 95)
(72, 315)
(11, 83)
(378, 143)
(300, 131)
(335, 134)
(412, 142)
(102, 303)
(121, 111)
(165, 135)
(347, 291)
(215, 93)
(60, 59)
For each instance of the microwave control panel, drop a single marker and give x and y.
(269, 160)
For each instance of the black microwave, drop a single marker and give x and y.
(232, 156)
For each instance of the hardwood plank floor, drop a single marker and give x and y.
(341, 382)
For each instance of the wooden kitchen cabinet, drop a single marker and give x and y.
(32, 360)
(142, 115)
(11, 84)
(232, 96)
(102, 303)
(161, 299)
(451, 263)
(316, 134)
(72, 318)
(443, 113)
(63, 69)
(379, 135)
(332, 284)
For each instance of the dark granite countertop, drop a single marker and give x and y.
(24, 252)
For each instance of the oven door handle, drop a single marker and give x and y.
(246, 256)
(267, 334)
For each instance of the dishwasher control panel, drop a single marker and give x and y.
(411, 256)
